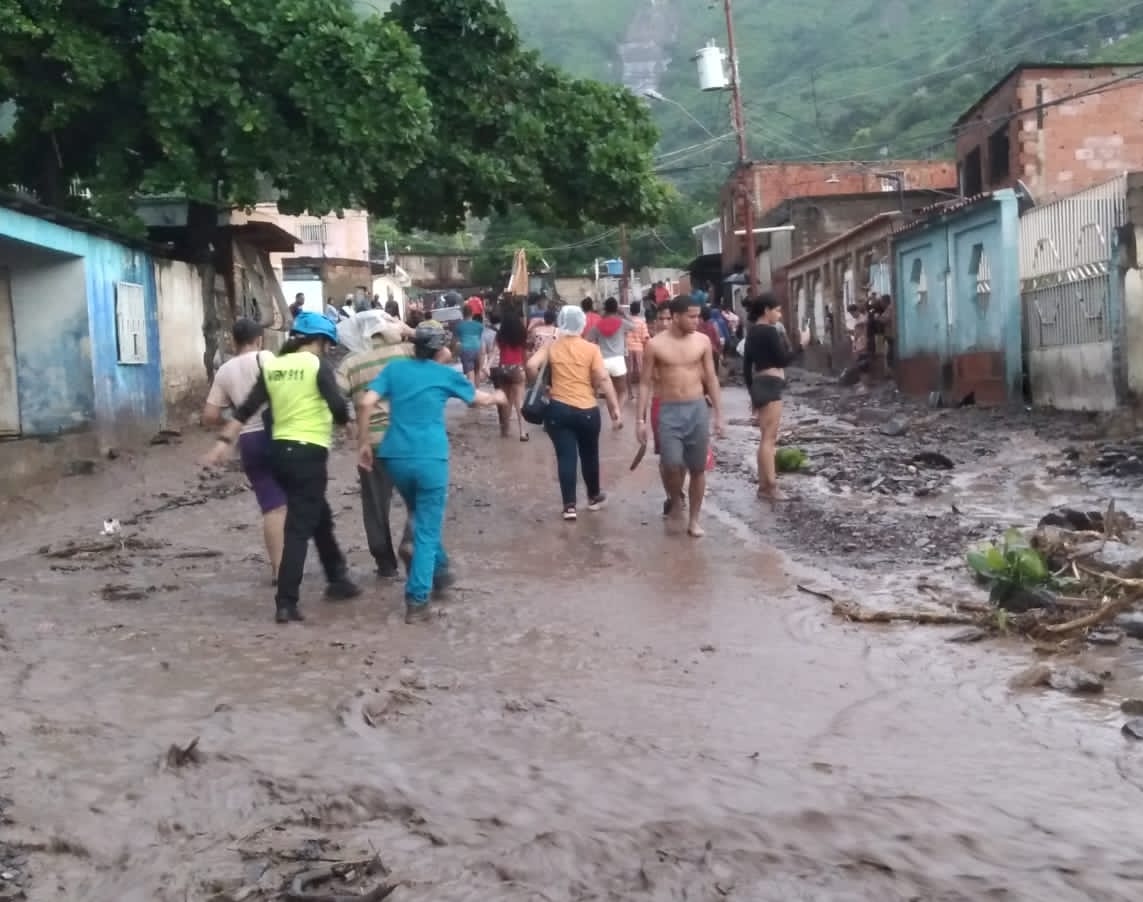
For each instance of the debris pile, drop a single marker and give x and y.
(872, 461)
(1078, 578)
(1122, 460)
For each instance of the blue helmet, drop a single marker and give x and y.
(430, 335)
(312, 325)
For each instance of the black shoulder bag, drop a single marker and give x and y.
(534, 410)
(267, 414)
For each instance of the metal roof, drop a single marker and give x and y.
(886, 218)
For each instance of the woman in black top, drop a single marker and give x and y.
(766, 354)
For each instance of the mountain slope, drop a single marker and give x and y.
(835, 80)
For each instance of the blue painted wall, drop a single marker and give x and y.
(127, 397)
(120, 397)
(951, 320)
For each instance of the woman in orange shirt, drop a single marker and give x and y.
(573, 423)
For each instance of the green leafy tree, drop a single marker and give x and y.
(427, 114)
(217, 99)
(512, 131)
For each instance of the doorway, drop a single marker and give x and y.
(9, 390)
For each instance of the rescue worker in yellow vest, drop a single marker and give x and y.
(304, 400)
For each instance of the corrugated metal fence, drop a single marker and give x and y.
(1065, 265)
(1072, 298)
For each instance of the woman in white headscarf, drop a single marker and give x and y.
(577, 374)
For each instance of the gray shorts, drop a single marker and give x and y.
(684, 434)
(469, 360)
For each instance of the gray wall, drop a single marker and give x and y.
(53, 347)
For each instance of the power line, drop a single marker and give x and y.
(950, 133)
(1009, 51)
(694, 148)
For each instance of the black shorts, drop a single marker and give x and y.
(765, 389)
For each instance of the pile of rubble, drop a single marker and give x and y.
(1122, 460)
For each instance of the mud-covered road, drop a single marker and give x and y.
(606, 710)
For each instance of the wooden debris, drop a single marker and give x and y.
(99, 546)
(345, 873)
(182, 756)
(857, 614)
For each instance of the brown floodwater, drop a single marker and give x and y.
(605, 710)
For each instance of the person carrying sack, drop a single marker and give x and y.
(415, 452)
(300, 388)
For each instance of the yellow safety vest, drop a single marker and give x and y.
(299, 412)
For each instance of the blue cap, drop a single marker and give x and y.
(313, 325)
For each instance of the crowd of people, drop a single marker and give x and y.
(545, 366)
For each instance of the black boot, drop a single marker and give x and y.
(341, 589)
(288, 614)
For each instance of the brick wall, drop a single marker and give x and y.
(1061, 149)
(775, 183)
(343, 277)
(437, 270)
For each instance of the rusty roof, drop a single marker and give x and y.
(886, 218)
(943, 208)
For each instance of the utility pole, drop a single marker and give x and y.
(745, 174)
(624, 277)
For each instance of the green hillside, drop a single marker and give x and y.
(824, 79)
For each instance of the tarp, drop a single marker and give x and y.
(518, 283)
(356, 332)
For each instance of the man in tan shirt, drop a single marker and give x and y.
(354, 376)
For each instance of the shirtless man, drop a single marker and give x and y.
(678, 366)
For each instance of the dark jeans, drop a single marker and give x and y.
(376, 500)
(301, 471)
(575, 431)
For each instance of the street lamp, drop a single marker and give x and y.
(652, 94)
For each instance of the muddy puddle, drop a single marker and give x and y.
(606, 709)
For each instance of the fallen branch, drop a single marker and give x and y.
(857, 614)
(813, 439)
(815, 592)
(1112, 578)
(958, 605)
(74, 549)
(1108, 611)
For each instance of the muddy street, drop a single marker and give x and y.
(606, 709)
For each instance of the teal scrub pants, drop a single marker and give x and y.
(423, 485)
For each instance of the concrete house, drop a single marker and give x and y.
(1056, 127)
(773, 184)
(80, 347)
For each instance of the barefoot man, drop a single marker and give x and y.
(678, 366)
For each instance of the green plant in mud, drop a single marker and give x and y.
(790, 460)
(1012, 567)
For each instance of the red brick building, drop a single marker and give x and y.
(777, 182)
(1032, 127)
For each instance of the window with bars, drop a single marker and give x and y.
(313, 233)
(131, 323)
(919, 281)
